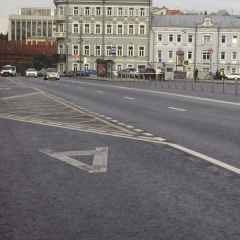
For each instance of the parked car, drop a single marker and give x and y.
(42, 72)
(232, 76)
(52, 73)
(31, 72)
(8, 70)
(83, 73)
(92, 71)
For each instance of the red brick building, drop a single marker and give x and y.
(20, 53)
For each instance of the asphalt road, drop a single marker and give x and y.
(149, 190)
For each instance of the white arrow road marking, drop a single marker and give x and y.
(100, 159)
(178, 109)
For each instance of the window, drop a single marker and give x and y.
(75, 28)
(223, 39)
(75, 50)
(179, 38)
(142, 29)
(234, 55)
(75, 11)
(109, 11)
(222, 55)
(87, 29)
(130, 29)
(119, 67)
(86, 67)
(120, 11)
(109, 29)
(87, 11)
(98, 11)
(131, 11)
(98, 50)
(75, 67)
(61, 11)
(159, 37)
(98, 29)
(159, 56)
(235, 39)
(170, 54)
(190, 38)
(120, 29)
(142, 12)
(170, 38)
(119, 51)
(206, 55)
(130, 51)
(190, 54)
(234, 70)
(206, 39)
(86, 50)
(61, 49)
(61, 27)
(109, 50)
(141, 52)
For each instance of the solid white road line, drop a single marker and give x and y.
(211, 100)
(204, 157)
(178, 109)
(21, 96)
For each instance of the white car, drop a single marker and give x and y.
(52, 73)
(8, 70)
(232, 76)
(31, 72)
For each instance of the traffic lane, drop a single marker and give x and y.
(149, 192)
(228, 112)
(209, 131)
(199, 89)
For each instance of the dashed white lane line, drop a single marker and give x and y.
(138, 130)
(148, 134)
(129, 98)
(4, 88)
(130, 126)
(178, 109)
(114, 121)
(100, 92)
(21, 96)
(108, 118)
(203, 99)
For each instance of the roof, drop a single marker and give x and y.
(190, 21)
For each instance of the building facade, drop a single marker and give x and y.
(189, 42)
(117, 30)
(31, 24)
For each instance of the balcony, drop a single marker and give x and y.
(59, 18)
(61, 58)
(59, 35)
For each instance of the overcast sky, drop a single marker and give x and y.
(11, 6)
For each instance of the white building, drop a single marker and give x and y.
(31, 24)
(188, 42)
